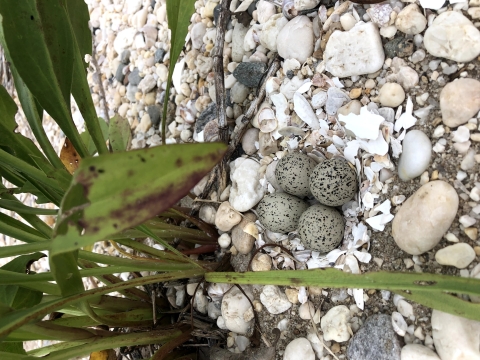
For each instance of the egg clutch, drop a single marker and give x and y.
(330, 184)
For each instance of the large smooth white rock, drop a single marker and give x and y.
(237, 311)
(460, 101)
(334, 324)
(452, 36)
(246, 189)
(295, 40)
(410, 20)
(418, 352)
(417, 151)
(455, 338)
(358, 51)
(425, 217)
(274, 299)
(459, 255)
(299, 348)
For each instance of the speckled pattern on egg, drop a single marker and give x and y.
(292, 173)
(333, 182)
(321, 228)
(280, 212)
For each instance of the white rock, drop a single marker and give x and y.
(243, 241)
(399, 324)
(355, 52)
(405, 308)
(132, 6)
(140, 18)
(460, 101)
(207, 214)
(305, 111)
(237, 312)
(416, 155)
(459, 255)
(238, 35)
(299, 348)
(334, 324)
(468, 161)
(295, 39)
(261, 262)
(388, 31)
(425, 217)
(224, 240)
(432, 4)
(124, 40)
(461, 135)
(200, 303)
(274, 299)
(265, 10)
(348, 21)
(197, 33)
(452, 36)
(147, 84)
(238, 93)
(391, 94)
(145, 124)
(214, 310)
(249, 140)
(410, 20)
(418, 352)
(455, 338)
(407, 77)
(270, 30)
(306, 310)
(246, 189)
(226, 217)
(305, 4)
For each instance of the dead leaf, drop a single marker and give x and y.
(69, 156)
(103, 355)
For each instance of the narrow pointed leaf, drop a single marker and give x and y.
(41, 45)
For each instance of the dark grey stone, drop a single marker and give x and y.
(134, 77)
(250, 74)
(159, 55)
(252, 7)
(375, 340)
(119, 75)
(290, 74)
(125, 57)
(399, 47)
(216, 13)
(206, 116)
(155, 113)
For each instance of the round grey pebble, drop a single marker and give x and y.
(321, 228)
(376, 339)
(280, 212)
(333, 182)
(292, 173)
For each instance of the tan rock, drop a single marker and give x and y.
(425, 217)
(242, 241)
(460, 101)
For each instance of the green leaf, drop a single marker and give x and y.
(99, 205)
(20, 146)
(18, 297)
(179, 13)
(18, 230)
(119, 133)
(41, 45)
(79, 16)
(19, 207)
(426, 289)
(15, 347)
(87, 139)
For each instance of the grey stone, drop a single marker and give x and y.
(252, 7)
(119, 75)
(131, 90)
(206, 116)
(155, 113)
(375, 340)
(125, 57)
(399, 47)
(159, 55)
(250, 74)
(134, 77)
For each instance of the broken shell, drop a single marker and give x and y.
(251, 229)
(266, 120)
(288, 9)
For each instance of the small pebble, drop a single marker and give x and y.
(459, 255)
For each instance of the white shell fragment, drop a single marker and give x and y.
(365, 125)
(305, 111)
(266, 120)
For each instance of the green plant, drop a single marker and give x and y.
(40, 39)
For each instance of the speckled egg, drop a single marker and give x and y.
(321, 228)
(279, 212)
(333, 182)
(292, 173)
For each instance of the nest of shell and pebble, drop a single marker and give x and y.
(363, 156)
